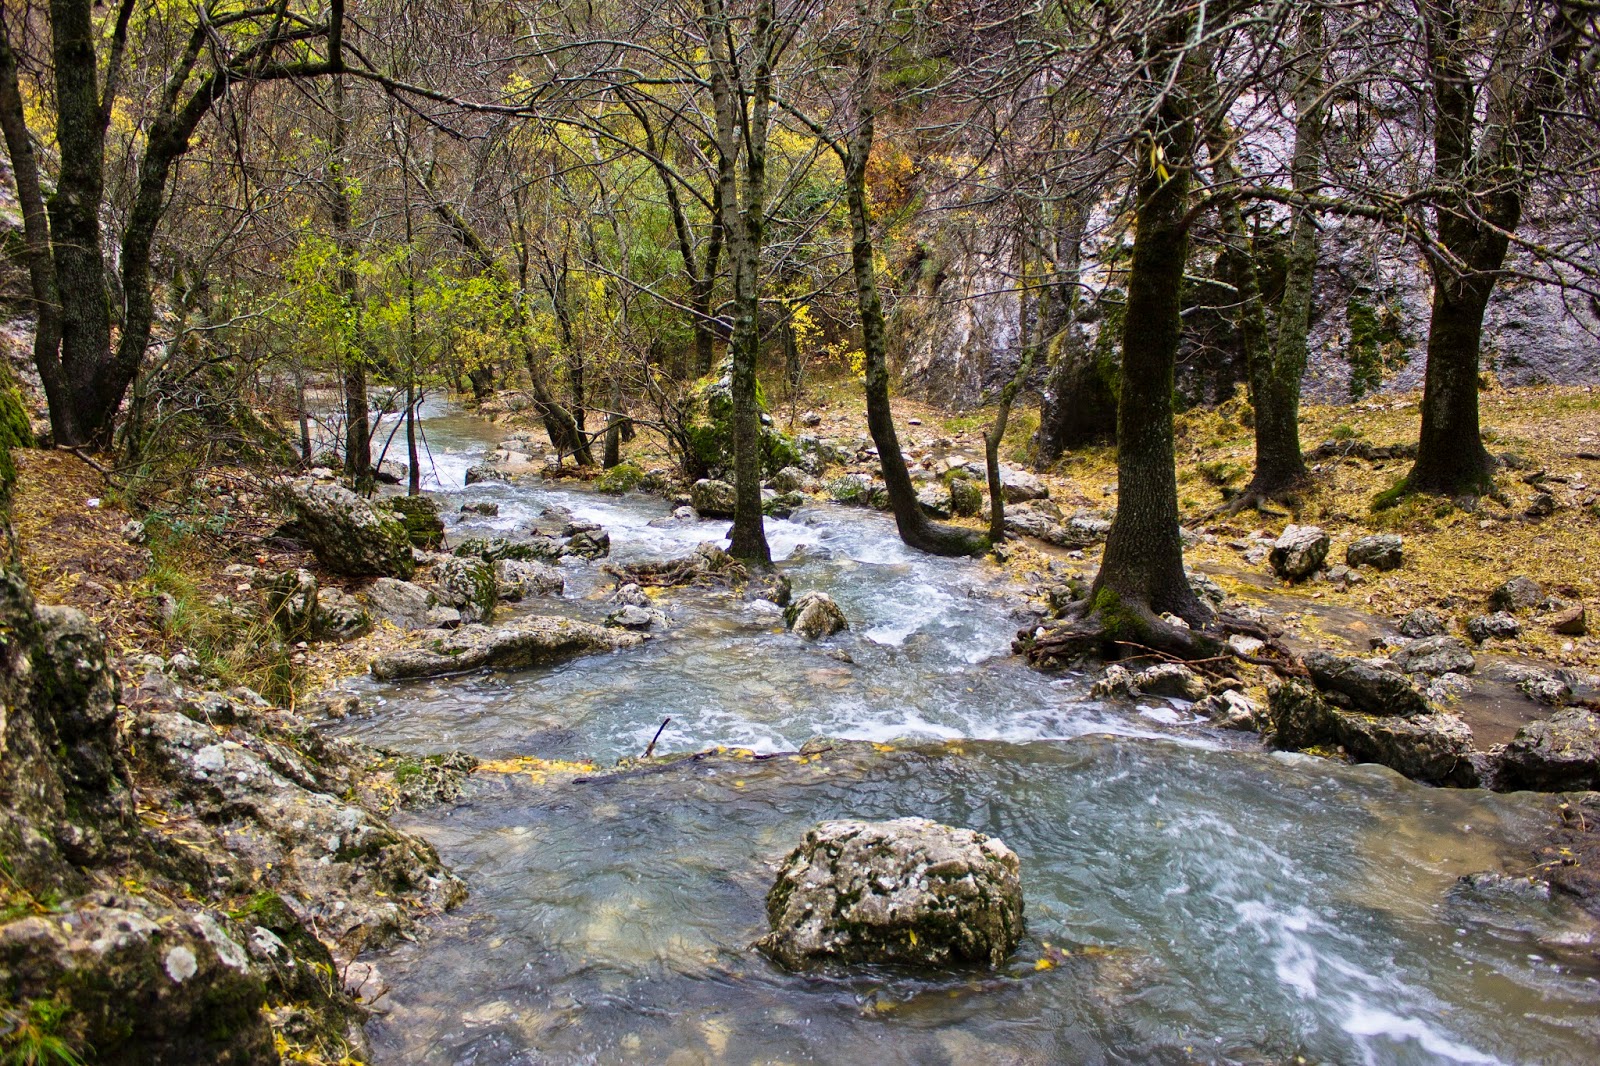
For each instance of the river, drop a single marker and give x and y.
(1191, 897)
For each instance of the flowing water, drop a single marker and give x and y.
(1190, 897)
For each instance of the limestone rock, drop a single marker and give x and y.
(340, 615)
(468, 585)
(1434, 656)
(1421, 623)
(1116, 682)
(1019, 485)
(712, 499)
(1517, 594)
(907, 891)
(934, 499)
(813, 615)
(793, 479)
(1430, 747)
(621, 478)
(1230, 710)
(1498, 626)
(1560, 754)
(587, 541)
(517, 580)
(493, 549)
(1383, 551)
(1367, 688)
(630, 617)
(349, 535)
(1171, 679)
(421, 517)
(1299, 552)
(513, 646)
(408, 605)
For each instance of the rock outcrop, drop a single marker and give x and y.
(1431, 747)
(349, 535)
(907, 891)
(513, 646)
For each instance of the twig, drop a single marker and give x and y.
(651, 747)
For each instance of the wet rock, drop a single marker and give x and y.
(1560, 754)
(349, 535)
(1384, 551)
(1019, 485)
(1422, 623)
(340, 615)
(408, 605)
(469, 586)
(1299, 552)
(421, 517)
(1229, 709)
(513, 646)
(1115, 683)
(781, 505)
(848, 489)
(712, 499)
(1171, 679)
(1540, 686)
(1434, 656)
(518, 580)
(775, 588)
(630, 595)
(1431, 747)
(589, 543)
(1572, 621)
(630, 617)
(907, 891)
(1498, 626)
(1517, 594)
(291, 602)
(1446, 688)
(813, 615)
(1367, 688)
(481, 507)
(493, 549)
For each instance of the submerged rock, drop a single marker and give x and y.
(907, 891)
(813, 615)
(512, 646)
(349, 535)
(1299, 552)
(630, 617)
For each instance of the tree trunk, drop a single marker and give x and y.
(1451, 458)
(1028, 332)
(36, 238)
(744, 226)
(74, 212)
(353, 369)
(916, 529)
(1141, 574)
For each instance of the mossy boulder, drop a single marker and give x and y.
(624, 477)
(421, 517)
(708, 428)
(813, 615)
(908, 891)
(966, 498)
(349, 535)
(493, 549)
(712, 498)
(469, 586)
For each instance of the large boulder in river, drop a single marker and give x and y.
(469, 586)
(513, 646)
(908, 891)
(349, 535)
(1561, 754)
(711, 498)
(813, 615)
(1299, 552)
(1431, 747)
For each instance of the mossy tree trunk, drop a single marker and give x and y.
(1141, 574)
